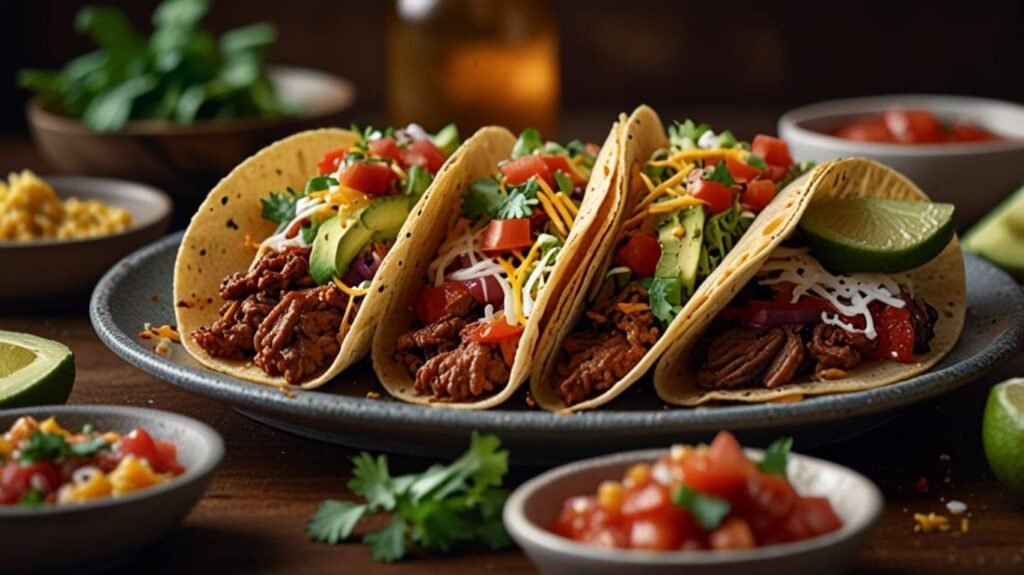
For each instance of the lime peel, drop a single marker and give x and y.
(1003, 434)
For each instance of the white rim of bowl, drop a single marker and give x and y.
(516, 521)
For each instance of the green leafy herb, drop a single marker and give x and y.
(757, 162)
(776, 457)
(44, 446)
(528, 141)
(685, 136)
(482, 197)
(442, 508)
(319, 184)
(719, 174)
(576, 148)
(709, 511)
(32, 498)
(564, 183)
(88, 429)
(795, 171)
(519, 202)
(180, 73)
(727, 140)
(665, 296)
(418, 181)
(279, 207)
(309, 231)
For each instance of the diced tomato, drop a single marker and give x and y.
(895, 335)
(436, 301)
(734, 533)
(872, 130)
(522, 169)
(538, 220)
(592, 148)
(776, 173)
(653, 501)
(140, 444)
(331, 160)
(964, 132)
(740, 171)
(758, 195)
(913, 126)
(16, 479)
(655, 535)
(809, 517)
(720, 470)
(610, 536)
(773, 150)
(574, 517)
(640, 254)
(562, 164)
(508, 349)
(495, 331)
(385, 148)
(718, 197)
(168, 454)
(768, 494)
(371, 178)
(505, 235)
(423, 153)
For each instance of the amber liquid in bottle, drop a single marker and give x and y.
(475, 63)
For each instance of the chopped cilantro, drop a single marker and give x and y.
(719, 174)
(528, 141)
(88, 429)
(519, 202)
(776, 457)
(757, 162)
(684, 136)
(727, 140)
(665, 297)
(564, 183)
(279, 207)
(53, 447)
(709, 511)
(439, 509)
(87, 448)
(417, 182)
(32, 498)
(319, 184)
(482, 197)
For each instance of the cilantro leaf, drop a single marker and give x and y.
(388, 544)
(44, 447)
(481, 197)
(665, 297)
(485, 463)
(776, 457)
(279, 207)
(709, 511)
(334, 521)
(372, 481)
(719, 174)
(727, 140)
(564, 183)
(519, 202)
(757, 162)
(417, 181)
(319, 184)
(528, 141)
(684, 136)
(32, 498)
(88, 448)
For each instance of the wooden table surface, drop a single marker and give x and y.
(253, 517)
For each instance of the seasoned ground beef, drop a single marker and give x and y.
(595, 359)
(446, 363)
(277, 316)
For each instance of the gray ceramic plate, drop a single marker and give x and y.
(535, 504)
(51, 268)
(138, 290)
(92, 535)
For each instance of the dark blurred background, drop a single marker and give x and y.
(767, 56)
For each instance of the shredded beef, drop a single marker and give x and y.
(595, 359)
(923, 318)
(300, 336)
(789, 360)
(836, 348)
(738, 357)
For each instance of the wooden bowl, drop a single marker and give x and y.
(187, 160)
(40, 271)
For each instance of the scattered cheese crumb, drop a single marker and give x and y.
(944, 457)
(930, 522)
(956, 507)
(964, 525)
(372, 395)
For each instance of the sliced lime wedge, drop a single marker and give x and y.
(34, 371)
(1003, 434)
(876, 235)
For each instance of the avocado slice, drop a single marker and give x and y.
(385, 216)
(337, 243)
(680, 235)
(34, 371)
(999, 237)
(447, 139)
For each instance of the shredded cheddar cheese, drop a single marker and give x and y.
(553, 214)
(517, 288)
(351, 292)
(625, 307)
(674, 204)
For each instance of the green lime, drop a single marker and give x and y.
(1002, 433)
(875, 234)
(34, 371)
(999, 236)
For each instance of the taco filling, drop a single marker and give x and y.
(690, 204)
(486, 279)
(290, 311)
(797, 319)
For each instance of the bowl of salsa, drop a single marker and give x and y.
(96, 482)
(696, 509)
(963, 150)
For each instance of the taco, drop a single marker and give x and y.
(690, 197)
(497, 246)
(278, 277)
(798, 317)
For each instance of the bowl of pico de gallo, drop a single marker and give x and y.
(707, 509)
(96, 482)
(962, 150)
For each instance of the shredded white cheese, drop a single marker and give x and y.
(850, 294)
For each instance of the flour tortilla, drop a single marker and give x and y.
(214, 247)
(941, 282)
(642, 135)
(431, 225)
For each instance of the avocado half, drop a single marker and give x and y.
(34, 371)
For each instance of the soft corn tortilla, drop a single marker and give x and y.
(431, 226)
(642, 135)
(214, 246)
(941, 282)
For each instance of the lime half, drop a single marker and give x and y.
(34, 371)
(1002, 433)
(875, 234)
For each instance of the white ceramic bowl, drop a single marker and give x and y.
(532, 507)
(973, 176)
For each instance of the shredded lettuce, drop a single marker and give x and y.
(721, 232)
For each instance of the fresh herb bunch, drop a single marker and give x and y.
(442, 508)
(53, 447)
(179, 74)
